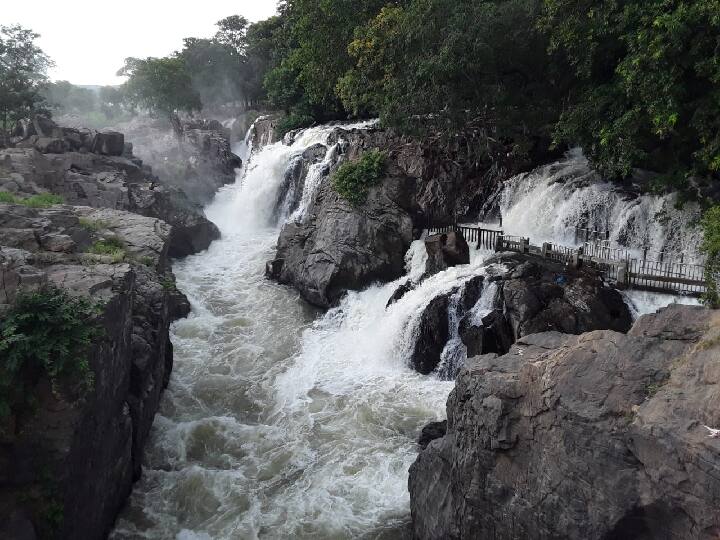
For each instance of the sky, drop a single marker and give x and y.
(89, 41)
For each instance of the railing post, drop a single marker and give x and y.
(545, 249)
(499, 243)
(525, 245)
(623, 274)
(576, 258)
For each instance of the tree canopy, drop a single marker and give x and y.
(23, 74)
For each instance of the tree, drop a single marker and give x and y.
(160, 85)
(648, 83)
(231, 33)
(314, 54)
(23, 73)
(447, 63)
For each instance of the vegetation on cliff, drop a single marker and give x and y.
(46, 333)
(711, 246)
(353, 179)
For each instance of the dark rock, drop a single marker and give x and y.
(273, 268)
(48, 145)
(433, 334)
(432, 431)
(401, 291)
(109, 143)
(594, 437)
(446, 250)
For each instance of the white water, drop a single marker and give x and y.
(548, 203)
(280, 422)
(277, 423)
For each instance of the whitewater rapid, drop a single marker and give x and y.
(280, 421)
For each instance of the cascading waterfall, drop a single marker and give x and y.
(547, 204)
(276, 423)
(280, 423)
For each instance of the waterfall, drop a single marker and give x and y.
(547, 204)
(281, 422)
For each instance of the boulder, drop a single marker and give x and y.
(446, 250)
(109, 143)
(432, 335)
(591, 437)
(401, 291)
(273, 268)
(432, 431)
(50, 145)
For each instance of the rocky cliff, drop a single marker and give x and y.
(339, 246)
(599, 436)
(67, 468)
(104, 175)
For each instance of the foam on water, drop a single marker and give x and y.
(278, 423)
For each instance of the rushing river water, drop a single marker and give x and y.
(280, 421)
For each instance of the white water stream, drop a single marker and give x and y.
(280, 422)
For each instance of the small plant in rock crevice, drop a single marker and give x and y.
(353, 179)
(113, 247)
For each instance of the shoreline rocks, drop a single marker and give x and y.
(595, 436)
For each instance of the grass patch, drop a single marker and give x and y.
(93, 225)
(113, 247)
(168, 283)
(353, 179)
(41, 200)
(45, 332)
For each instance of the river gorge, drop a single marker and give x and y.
(284, 422)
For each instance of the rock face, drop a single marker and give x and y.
(596, 436)
(107, 181)
(538, 295)
(340, 247)
(66, 470)
(446, 250)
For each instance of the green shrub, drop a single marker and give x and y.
(293, 121)
(112, 246)
(8, 198)
(45, 332)
(711, 247)
(353, 179)
(42, 200)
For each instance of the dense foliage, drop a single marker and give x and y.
(160, 85)
(353, 179)
(711, 246)
(648, 88)
(23, 74)
(46, 332)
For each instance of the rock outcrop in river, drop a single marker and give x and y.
(341, 247)
(596, 436)
(85, 174)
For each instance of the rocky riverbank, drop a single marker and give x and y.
(67, 468)
(602, 435)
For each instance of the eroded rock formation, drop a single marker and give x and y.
(596, 436)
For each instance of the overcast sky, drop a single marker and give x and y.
(89, 41)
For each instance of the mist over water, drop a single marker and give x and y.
(283, 422)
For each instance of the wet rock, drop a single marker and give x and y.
(433, 333)
(595, 436)
(49, 145)
(90, 447)
(446, 250)
(432, 431)
(401, 291)
(273, 268)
